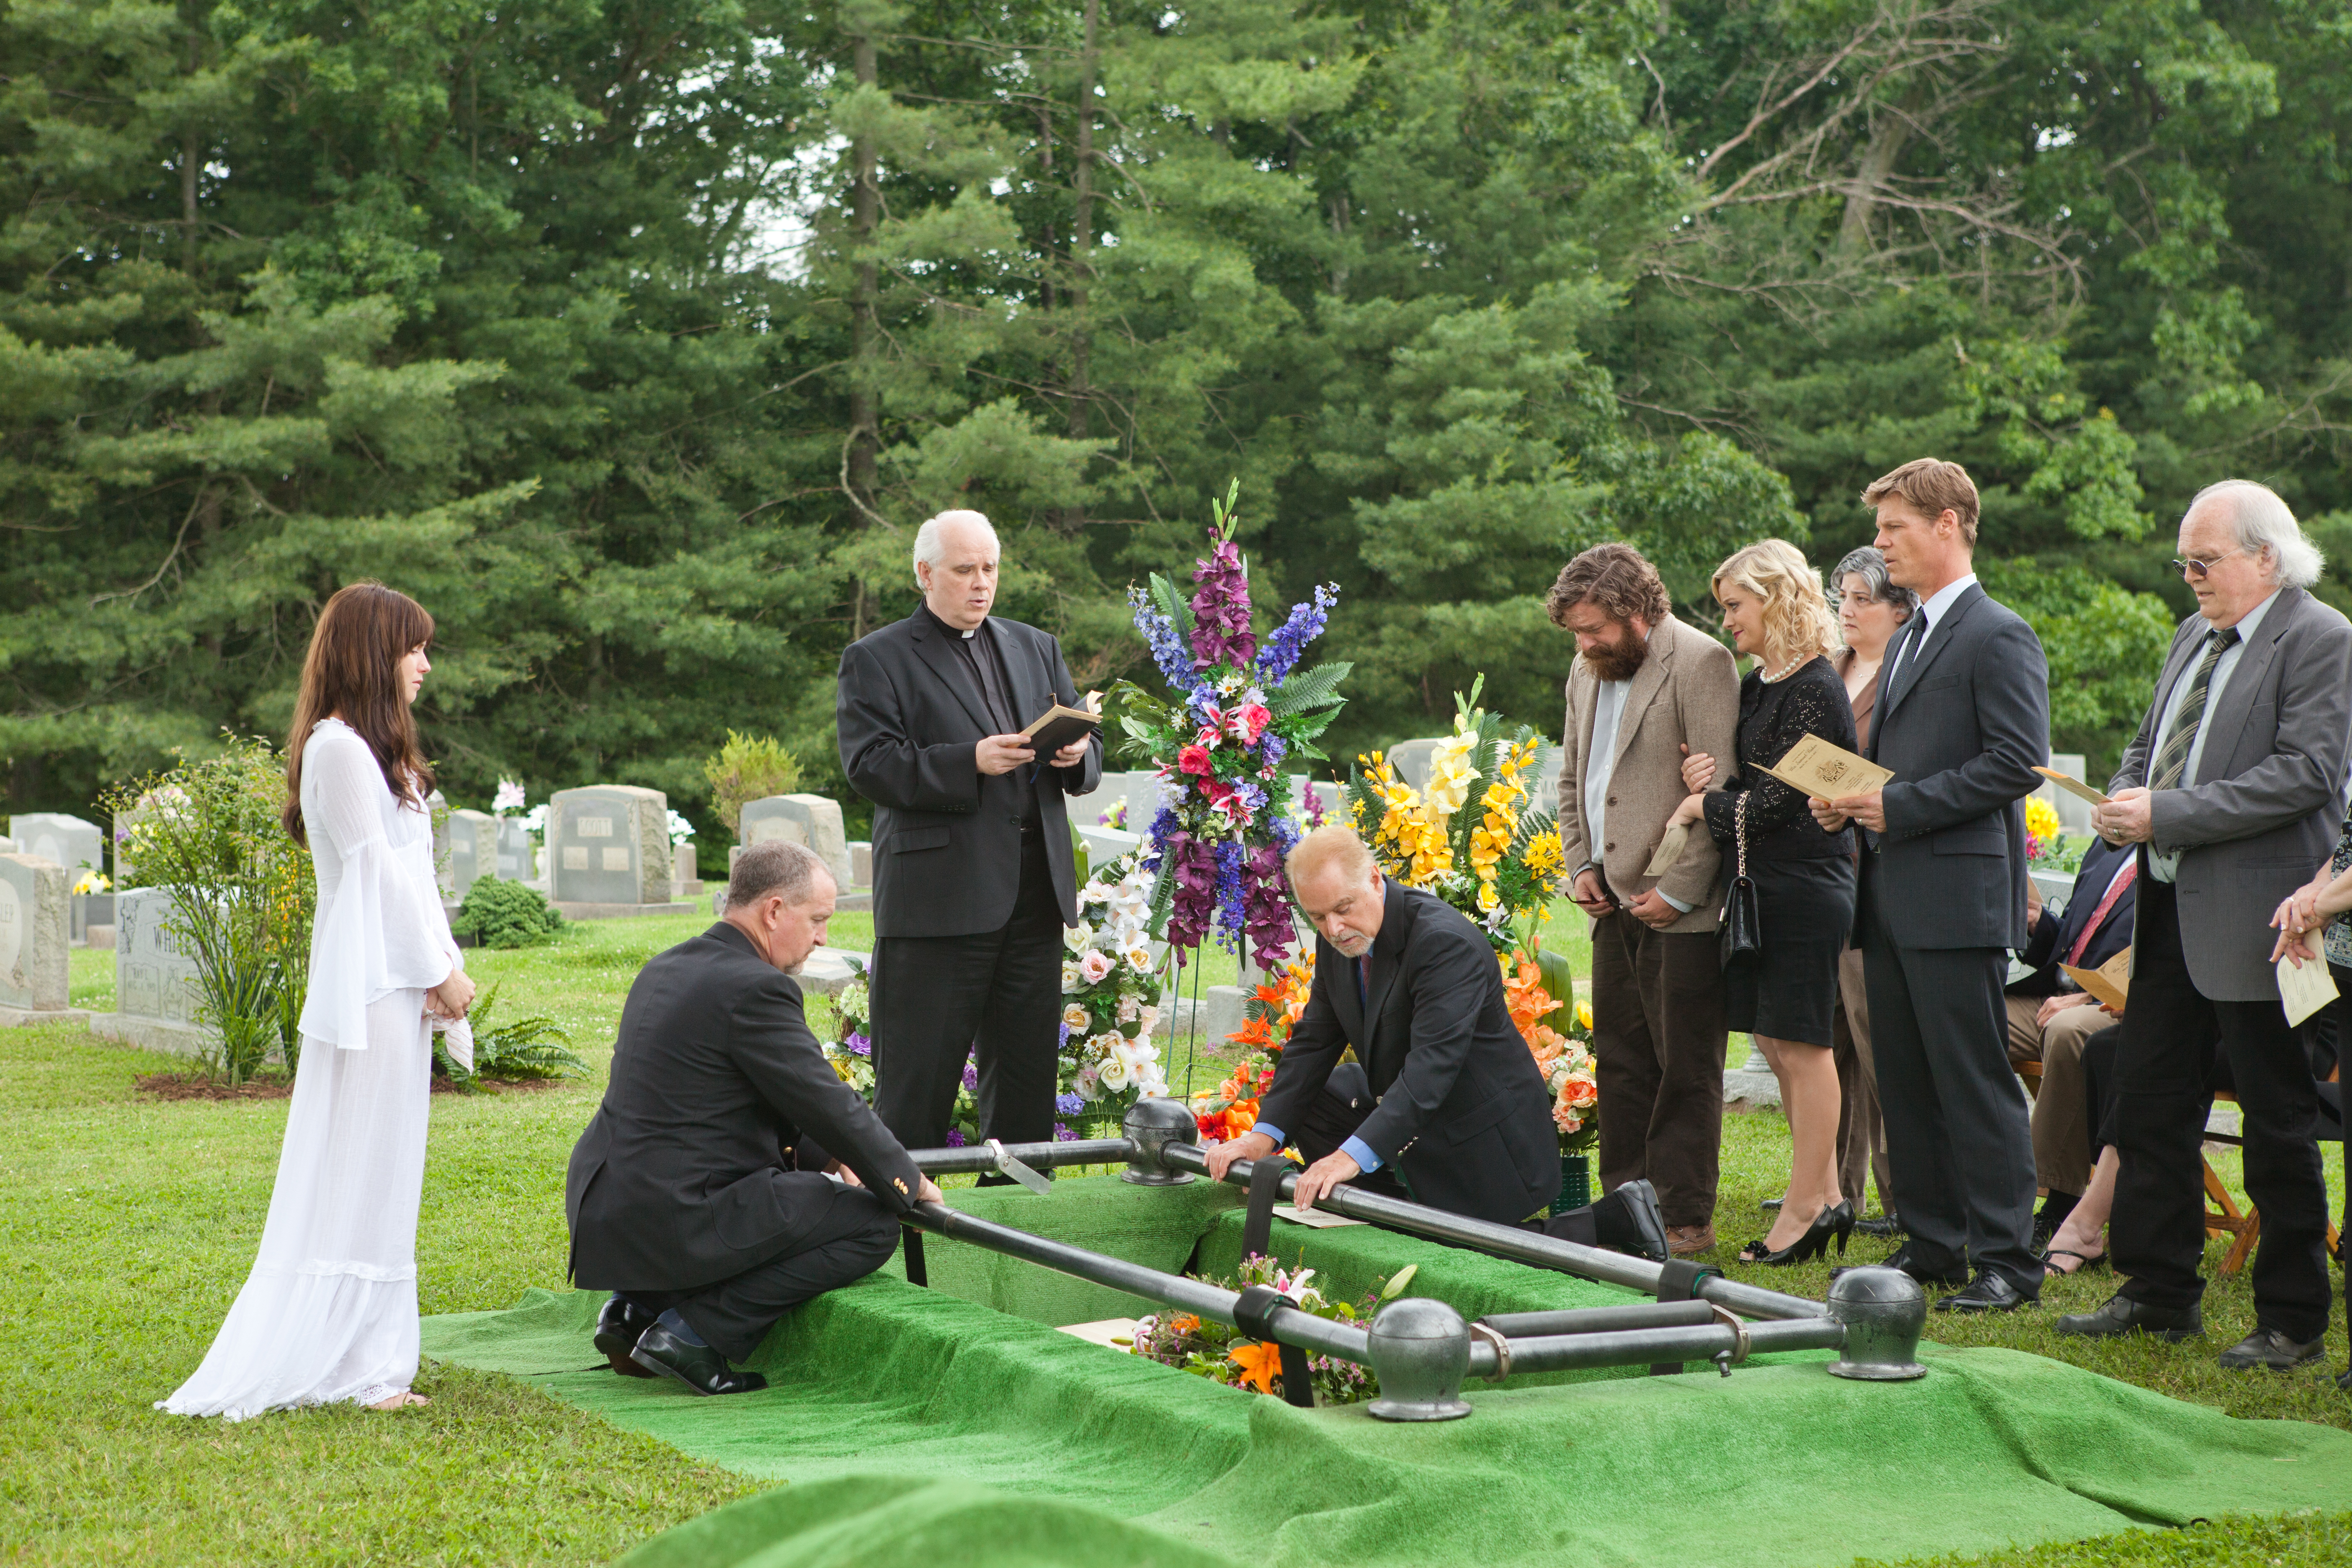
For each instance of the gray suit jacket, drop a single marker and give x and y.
(1963, 725)
(2262, 811)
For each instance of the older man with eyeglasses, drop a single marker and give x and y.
(2231, 791)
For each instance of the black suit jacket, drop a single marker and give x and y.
(1963, 727)
(946, 841)
(680, 1179)
(2055, 938)
(1461, 1107)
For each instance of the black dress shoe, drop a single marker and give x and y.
(2344, 1379)
(1902, 1258)
(699, 1367)
(2122, 1315)
(618, 1328)
(1880, 1225)
(2270, 1348)
(1638, 1227)
(1988, 1292)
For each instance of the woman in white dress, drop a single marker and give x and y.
(329, 1313)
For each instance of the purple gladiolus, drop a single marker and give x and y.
(1221, 609)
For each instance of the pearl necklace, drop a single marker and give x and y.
(1788, 670)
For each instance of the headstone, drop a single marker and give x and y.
(65, 841)
(514, 851)
(861, 863)
(157, 992)
(2074, 811)
(1104, 844)
(1139, 791)
(444, 871)
(32, 933)
(810, 819)
(473, 838)
(86, 912)
(609, 843)
(1411, 759)
(685, 881)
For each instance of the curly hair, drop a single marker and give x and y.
(1616, 577)
(1797, 620)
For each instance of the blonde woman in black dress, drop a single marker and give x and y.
(1786, 995)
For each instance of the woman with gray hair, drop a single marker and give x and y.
(1871, 608)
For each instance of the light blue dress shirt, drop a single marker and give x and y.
(1355, 1148)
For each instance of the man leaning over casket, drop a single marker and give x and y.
(682, 1195)
(1443, 1091)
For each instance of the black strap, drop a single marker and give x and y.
(1265, 1192)
(916, 1273)
(1253, 1314)
(1678, 1281)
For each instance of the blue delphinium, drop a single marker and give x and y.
(1168, 650)
(1284, 649)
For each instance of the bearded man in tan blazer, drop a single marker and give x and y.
(1646, 691)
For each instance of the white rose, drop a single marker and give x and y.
(1138, 957)
(1114, 1074)
(1075, 937)
(1074, 1016)
(1070, 981)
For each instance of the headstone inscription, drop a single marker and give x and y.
(473, 848)
(514, 851)
(156, 993)
(32, 933)
(809, 819)
(609, 843)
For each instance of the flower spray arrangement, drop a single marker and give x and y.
(1558, 1033)
(1210, 1350)
(1499, 862)
(1236, 712)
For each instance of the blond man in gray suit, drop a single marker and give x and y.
(1646, 691)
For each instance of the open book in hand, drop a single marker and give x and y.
(1823, 770)
(1058, 725)
(2109, 983)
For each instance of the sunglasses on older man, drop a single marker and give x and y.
(2197, 570)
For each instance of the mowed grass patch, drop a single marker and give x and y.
(134, 1222)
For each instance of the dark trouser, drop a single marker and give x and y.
(1958, 1137)
(934, 997)
(1657, 1049)
(1332, 1118)
(852, 1237)
(2164, 1064)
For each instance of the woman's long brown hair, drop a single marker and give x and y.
(354, 670)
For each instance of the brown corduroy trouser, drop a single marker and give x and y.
(1657, 1046)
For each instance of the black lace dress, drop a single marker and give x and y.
(1804, 877)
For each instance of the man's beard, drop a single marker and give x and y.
(1618, 663)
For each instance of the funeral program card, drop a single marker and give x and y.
(1670, 849)
(2306, 990)
(2074, 786)
(2110, 982)
(1827, 772)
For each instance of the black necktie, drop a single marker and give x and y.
(2172, 757)
(1363, 988)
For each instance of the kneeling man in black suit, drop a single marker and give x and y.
(681, 1196)
(1443, 1089)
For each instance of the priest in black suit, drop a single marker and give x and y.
(1446, 1093)
(973, 875)
(682, 1197)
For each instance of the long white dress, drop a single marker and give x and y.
(329, 1313)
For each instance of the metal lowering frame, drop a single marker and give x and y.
(1422, 1350)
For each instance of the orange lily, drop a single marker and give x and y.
(1258, 1364)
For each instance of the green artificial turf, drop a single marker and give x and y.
(130, 1225)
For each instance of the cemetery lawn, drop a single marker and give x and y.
(132, 1222)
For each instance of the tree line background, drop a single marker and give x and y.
(634, 337)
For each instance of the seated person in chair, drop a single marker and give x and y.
(681, 1197)
(1443, 1091)
(2050, 1018)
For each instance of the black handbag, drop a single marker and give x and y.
(1742, 929)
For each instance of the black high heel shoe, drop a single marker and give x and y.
(1836, 1219)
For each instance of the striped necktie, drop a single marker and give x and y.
(2172, 757)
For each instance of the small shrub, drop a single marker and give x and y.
(528, 1047)
(207, 830)
(749, 768)
(500, 913)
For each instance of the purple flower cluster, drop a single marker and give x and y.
(1068, 1105)
(1267, 901)
(1168, 650)
(1309, 802)
(1284, 649)
(859, 1045)
(1221, 609)
(1192, 862)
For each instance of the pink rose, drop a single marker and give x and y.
(1095, 967)
(1193, 760)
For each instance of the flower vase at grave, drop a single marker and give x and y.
(1575, 1182)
